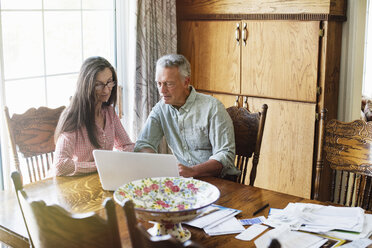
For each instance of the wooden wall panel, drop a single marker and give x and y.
(286, 160)
(227, 100)
(204, 43)
(280, 60)
(203, 7)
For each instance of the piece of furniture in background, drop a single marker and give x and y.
(285, 54)
(140, 238)
(348, 149)
(53, 226)
(32, 135)
(366, 109)
(248, 129)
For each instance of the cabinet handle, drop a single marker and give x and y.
(245, 102)
(237, 33)
(245, 34)
(236, 104)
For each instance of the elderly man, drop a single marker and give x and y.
(196, 126)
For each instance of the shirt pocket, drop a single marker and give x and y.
(197, 138)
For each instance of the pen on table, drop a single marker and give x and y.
(260, 209)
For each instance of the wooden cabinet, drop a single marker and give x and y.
(205, 43)
(280, 59)
(286, 156)
(284, 55)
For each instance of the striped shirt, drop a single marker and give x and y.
(73, 154)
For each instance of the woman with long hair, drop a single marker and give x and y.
(90, 121)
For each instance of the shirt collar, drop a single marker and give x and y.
(190, 100)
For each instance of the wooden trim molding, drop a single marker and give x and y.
(296, 17)
(190, 7)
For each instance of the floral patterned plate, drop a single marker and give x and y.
(168, 201)
(168, 194)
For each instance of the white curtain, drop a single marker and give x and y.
(156, 36)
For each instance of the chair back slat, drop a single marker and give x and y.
(352, 192)
(244, 170)
(37, 166)
(49, 160)
(28, 169)
(248, 129)
(340, 188)
(346, 187)
(367, 193)
(41, 159)
(53, 226)
(32, 134)
(333, 186)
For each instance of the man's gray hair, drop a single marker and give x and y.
(174, 60)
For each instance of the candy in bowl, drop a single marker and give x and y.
(168, 201)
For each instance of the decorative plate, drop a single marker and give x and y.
(168, 194)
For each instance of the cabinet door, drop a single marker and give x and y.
(286, 158)
(280, 59)
(212, 50)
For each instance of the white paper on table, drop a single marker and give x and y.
(251, 232)
(367, 231)
(317, 218)
(288, 238)
(213, 218)
(231, 225)
(359, 243)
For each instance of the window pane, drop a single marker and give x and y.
(98, 29)
(65, 4)
(98, 4)
(60, 89)
(62, 41)
(22, 44)
(24, 94)
(20, 4)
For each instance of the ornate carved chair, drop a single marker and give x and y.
(348, 148)
(53, 226)
(140, 238)
(33, 134)
(248, 128)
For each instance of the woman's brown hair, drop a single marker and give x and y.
(81, 111)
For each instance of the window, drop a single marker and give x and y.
(44, 43)
(367, 82)
(42, 46)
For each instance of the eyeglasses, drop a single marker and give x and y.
(100, 86)
(168, 85)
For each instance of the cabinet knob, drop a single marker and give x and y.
(237, 33)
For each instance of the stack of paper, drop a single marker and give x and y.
(289, 239)
(367, 231)
(317, 218)
(218, 220)
(231, 225)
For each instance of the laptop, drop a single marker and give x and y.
(116, 168)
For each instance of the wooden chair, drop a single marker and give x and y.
(53, 226)
(348, 148)
(140, 238)
(33, 134)
(248, 128)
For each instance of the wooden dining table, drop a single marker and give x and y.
(85, 194)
